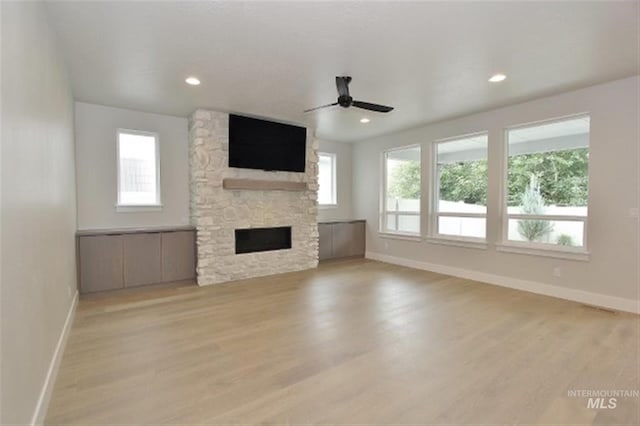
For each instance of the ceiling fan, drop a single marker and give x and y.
(345, 100)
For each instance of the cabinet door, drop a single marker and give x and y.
(342, 239)
(358, 232)
(325, 241)
(100, 258)
(142, 254)
(178, 256)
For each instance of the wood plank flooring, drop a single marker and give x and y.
(353, 342)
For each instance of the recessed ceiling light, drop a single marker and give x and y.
(497, 78)
(192, 81)
(364, 120)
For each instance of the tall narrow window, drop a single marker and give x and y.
(138, 169)
(548, 184)
(460, 188)
(327, 179)
(401, 191)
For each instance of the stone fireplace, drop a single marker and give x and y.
(221, 215)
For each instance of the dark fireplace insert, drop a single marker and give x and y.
(263, 239)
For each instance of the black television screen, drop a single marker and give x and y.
(265, 145)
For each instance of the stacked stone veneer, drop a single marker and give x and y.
(217, 212)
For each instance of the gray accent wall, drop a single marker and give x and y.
(38, 221)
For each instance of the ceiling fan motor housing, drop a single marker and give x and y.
(345, 101)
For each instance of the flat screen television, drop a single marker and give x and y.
(265, 145)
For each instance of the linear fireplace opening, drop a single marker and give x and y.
(263, 239)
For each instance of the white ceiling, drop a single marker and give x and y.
(431, 60)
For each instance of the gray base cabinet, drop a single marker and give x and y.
(178, 255)
(325, 241)
(101, 263)
(142, 259)
(109, 261)
(341, 239)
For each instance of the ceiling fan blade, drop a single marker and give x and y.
(372, 107)
(342, 83)
(320, 107)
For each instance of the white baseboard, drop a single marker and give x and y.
(585, 297)
(47, 387)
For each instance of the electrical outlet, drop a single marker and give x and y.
(634, 213)
(557, 272)
(386, 245)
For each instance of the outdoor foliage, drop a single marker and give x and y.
(564, 240)
(465, 182)
(532, 202)
(405, 181)
(562, 177)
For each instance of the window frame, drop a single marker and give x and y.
(537, 248)
(382, 228)
(126, 207)
(434, 193)
(334, 183)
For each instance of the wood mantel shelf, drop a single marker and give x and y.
(263, 185)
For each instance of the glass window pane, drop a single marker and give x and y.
(402, 189)
(461, 171)
(138, 174)
(403, 223)
(326, 173)
(548, 168)
(462, 226)
(563, 233)
(409, 223)
(474, 227)
(391, 222)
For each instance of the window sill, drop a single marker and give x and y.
(582, 256)
(400, 236)
(327, 206)
(123, 208)
(458, 242)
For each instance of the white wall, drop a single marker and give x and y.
(96, 162)
(613, 234)
(38, 206)
(344, 207)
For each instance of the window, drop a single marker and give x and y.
(547, 185)
(327, 179)
(138, 169)
(460, 188)
(401, 191)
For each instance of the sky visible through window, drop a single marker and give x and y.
(138, 178)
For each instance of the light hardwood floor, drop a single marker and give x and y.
(357, 342)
